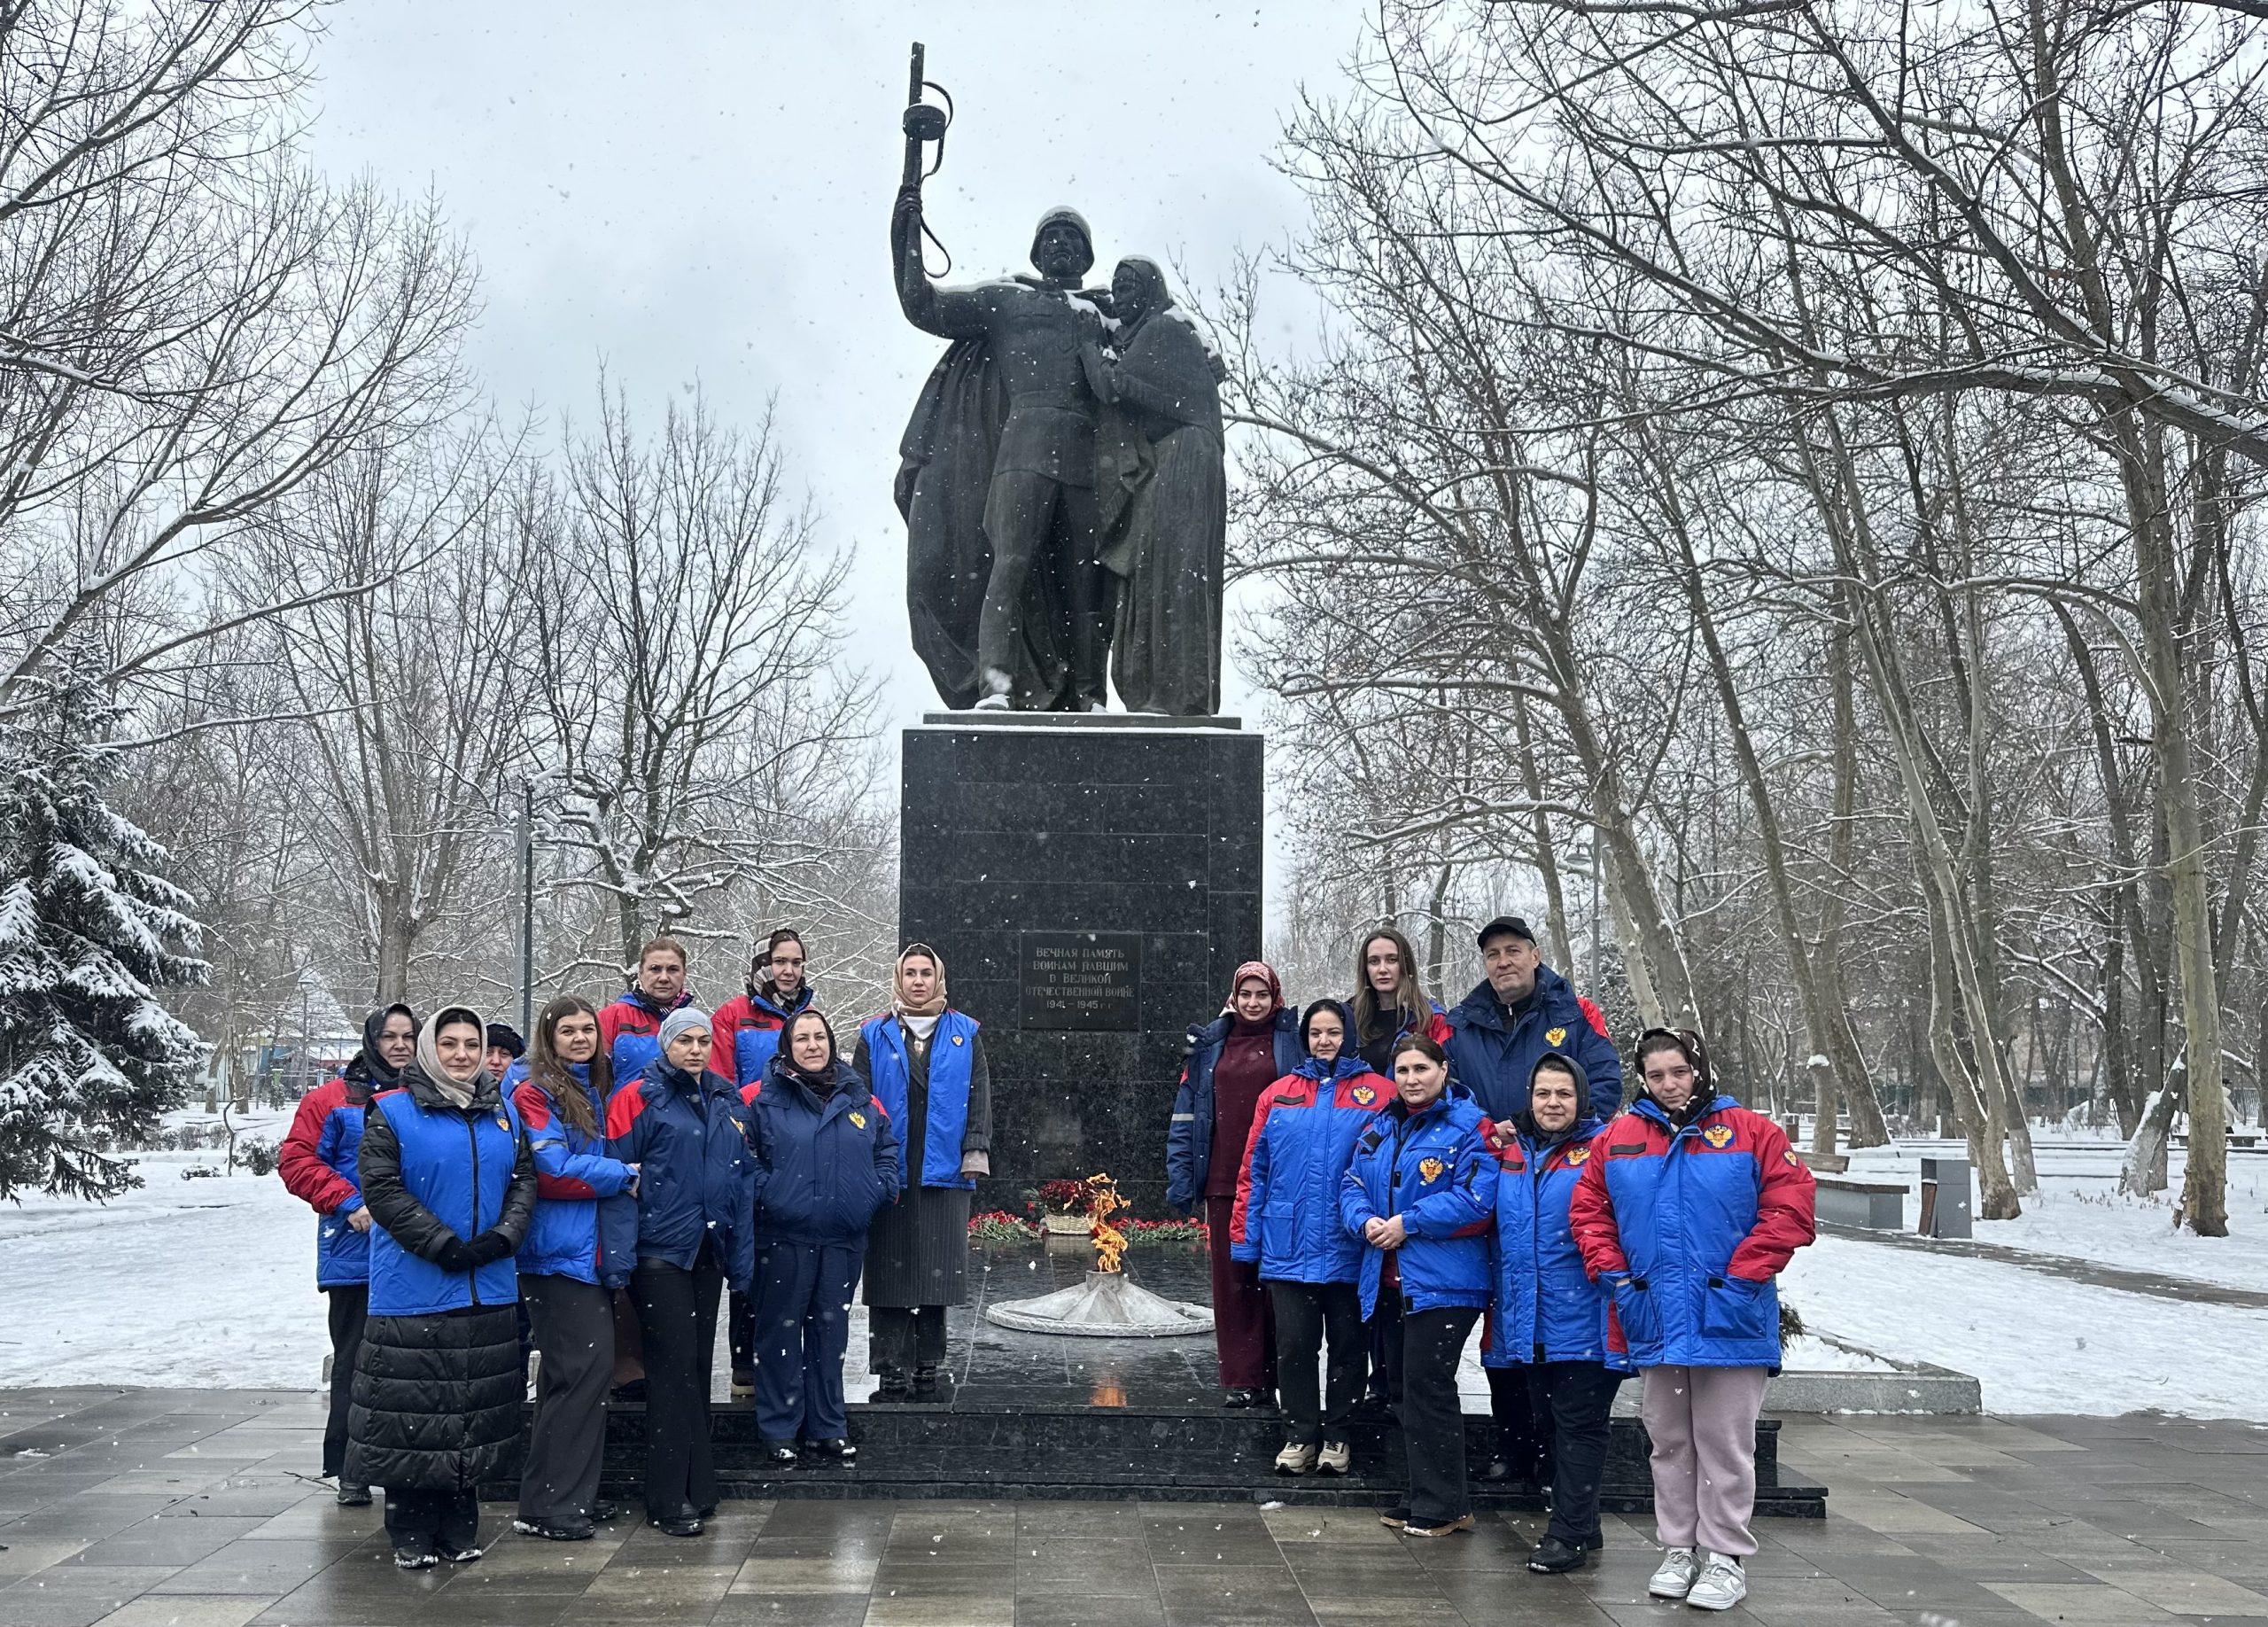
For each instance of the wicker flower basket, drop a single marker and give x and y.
(1066, 1226)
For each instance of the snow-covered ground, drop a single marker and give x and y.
(2037, 1343)
(2079, 1212)
(211, 1282)
(177, 1283)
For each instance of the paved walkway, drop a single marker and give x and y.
(2186, 1289)
(187, 1508)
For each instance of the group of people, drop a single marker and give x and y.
(1382, 1175)
(607, 1183)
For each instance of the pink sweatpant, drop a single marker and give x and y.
(1703, 1422)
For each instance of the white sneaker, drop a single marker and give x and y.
(1295, 1459)
(1722, 1584)
(1674, 1579)
(1337, 1457)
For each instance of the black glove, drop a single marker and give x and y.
(489, 1247)
(457, 1254)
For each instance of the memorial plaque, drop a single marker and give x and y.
(1081, 980)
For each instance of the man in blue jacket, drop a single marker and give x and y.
(1522, 1012)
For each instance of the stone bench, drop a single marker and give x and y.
(1878, 1205)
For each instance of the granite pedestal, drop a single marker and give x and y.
(1093, 882)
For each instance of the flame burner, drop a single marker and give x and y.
(1105, 1306)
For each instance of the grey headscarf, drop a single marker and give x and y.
(684, 1020)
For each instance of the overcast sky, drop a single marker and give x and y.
(700, 191)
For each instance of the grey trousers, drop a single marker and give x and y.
(574, 1331)
(1703, 1423)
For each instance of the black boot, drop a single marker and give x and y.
(1553, 1556)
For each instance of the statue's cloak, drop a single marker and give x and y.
(944, 471)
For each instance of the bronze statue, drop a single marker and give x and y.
(1014, 558)
(1164, 497)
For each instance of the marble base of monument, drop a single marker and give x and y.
(1092, 881)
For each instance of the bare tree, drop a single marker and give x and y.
(686, 632)
(415, 691)
(191, 323)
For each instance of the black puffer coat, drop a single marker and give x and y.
(436, 1402)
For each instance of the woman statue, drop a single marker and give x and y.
(1164, 497)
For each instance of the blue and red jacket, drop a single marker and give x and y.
(1545, 1306)
(696, 1175)
(824, 1167)
(1189, 1138)
(317, 1162)
(1690, 1227)
(952, 1052)
(1433, 1168)
(746, 1030)
(630, 1030)
(572, 1172)
(1304, 1135)
(1494, 1060)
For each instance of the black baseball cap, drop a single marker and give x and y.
(1502, 926)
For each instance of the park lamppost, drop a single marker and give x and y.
(527, 907)
(1592, 858)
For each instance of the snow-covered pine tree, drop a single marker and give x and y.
(89, 932)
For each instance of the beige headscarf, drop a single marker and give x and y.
(459, 1094)
(920, 1017)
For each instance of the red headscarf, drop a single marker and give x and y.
(1262, 970)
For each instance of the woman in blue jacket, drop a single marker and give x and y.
(446, 1171)
(827, 1162)
(689, 1232)
(1287, 1223)
(1692, 1207)
(562, 1102)
(1549, 1324)
(1421, 1192)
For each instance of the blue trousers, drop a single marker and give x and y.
(803, 1329)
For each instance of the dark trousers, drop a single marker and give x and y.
(1030, 519)
(1244, 1326)
(449, 1520)
(629, 1340)
(903, 1336)
(1576, 1398)
(573, 1327)
(1432, 1418)
(1523, 1430)
(803, 1331)
(1308, 1315)
(677, 1312)
(350, 1308)
(740, 1322)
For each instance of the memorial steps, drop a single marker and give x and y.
(1055, 1417)
(972, 1450)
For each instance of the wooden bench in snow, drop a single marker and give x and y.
(1878, 1205)
(1825, 1163)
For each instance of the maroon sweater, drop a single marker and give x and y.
(1248, 1066)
